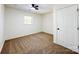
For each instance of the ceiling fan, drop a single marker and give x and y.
(35, 6)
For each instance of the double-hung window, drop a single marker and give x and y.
(27, 20)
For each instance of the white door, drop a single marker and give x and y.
(67, 27)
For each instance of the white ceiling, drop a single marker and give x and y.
(60, 6)
(43, 8)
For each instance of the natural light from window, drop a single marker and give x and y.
(27, 20)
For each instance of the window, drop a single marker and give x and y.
(27, 20)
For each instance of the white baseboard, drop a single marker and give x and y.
(17, 36)
(73, 47)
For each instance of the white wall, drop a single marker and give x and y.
(14, 23)
(1, 26)
(48, 23)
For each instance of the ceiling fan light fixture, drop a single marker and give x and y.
(32, 8)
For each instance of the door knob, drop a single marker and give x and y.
(58, 28)
(78, 28)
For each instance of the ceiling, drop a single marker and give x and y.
(43, 8)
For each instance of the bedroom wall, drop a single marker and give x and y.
(48, 23)
(1, 26)
(14, 23)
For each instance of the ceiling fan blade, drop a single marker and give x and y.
(36, 8)
(32, 5)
